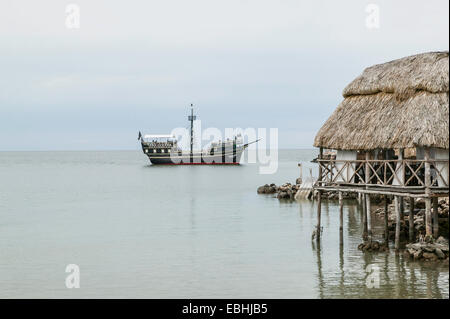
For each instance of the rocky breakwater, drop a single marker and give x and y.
(285, 191)
(428, 251)
(288, 191)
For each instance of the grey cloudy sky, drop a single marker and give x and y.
(138, 64)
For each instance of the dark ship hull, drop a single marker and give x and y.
(225, 157)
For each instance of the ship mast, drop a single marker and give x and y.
(191, 118)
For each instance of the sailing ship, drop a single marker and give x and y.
(164, 149)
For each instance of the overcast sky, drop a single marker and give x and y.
(137, 65)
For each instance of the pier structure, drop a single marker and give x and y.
(391, 137)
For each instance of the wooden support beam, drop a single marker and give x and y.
(367, 221)
(435, 217)
(411, 219)
(394, 191)
(428, 223)
(341, 218)
(364, 207)
(386, 221)
(319, 199)
(319, 212)
(367, 169)
(428, 228)
(301, 172)
(397, 221)
(319, 179)
(402, 209)
(369, 218)
(401, 157)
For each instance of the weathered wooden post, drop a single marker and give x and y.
(300, 179)
(435, 217)
(397, 221)
(319, 196)
(369, 218)
(341, 218)
(428, 227)
(386, 221)
(402, 209)
(411, 219)
(319, 212)
(364, 216)
(368, 209)
(401, 157)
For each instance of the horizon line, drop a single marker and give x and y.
(122, 150)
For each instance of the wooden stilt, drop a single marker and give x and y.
(301, 173)
(435, 217)
(411, 219)
(386, 222)
(402, 209)
(367, 224)
(364, 205)
(319, 199)
(428, 228)
(319, 212)
(368, 218)
(341, 218)
(397, 220)
(428, 224)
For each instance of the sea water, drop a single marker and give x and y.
(140, 231)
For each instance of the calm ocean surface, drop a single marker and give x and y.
(142, 231)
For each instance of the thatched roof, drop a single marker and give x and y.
(398, 104)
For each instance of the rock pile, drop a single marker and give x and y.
(372, 246)
(288, 191)
(285, 191)
(267, 189)
(428, 251)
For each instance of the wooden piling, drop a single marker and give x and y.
(341, 218)
(364, 206)
(319, 212)
(301, 172)
(368, 218)
(402, 209)
(386, 221)
(411, 219)
(397, 225)
(319, 198)
(435, 217)
(428, 227)
(428, 224)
